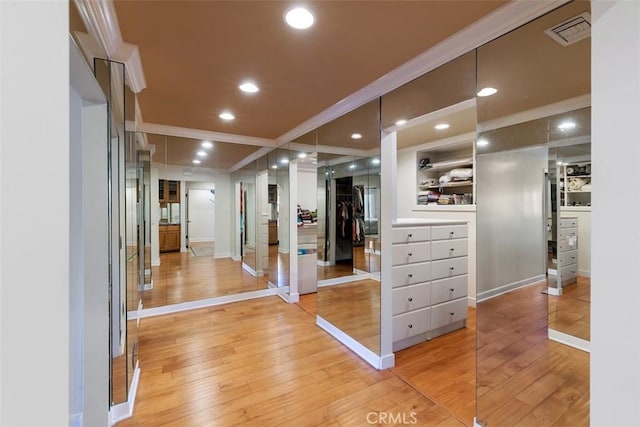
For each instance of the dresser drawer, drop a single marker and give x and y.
(567, 244)
(568, 222)
(449, 289)
(568, 258)
(569, 272)
(447, 313)
(411, 298)
(444, 232)
(568, 232)
(411, 274)
(411, 234)
(448, 267)
(410, 253)
(410, 324)
(443, 249)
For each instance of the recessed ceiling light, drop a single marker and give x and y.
(249, 87)
(284, 161)
(375, 161)
(487, 91)
(274, 167)
(566, 125)
(401, 122)
(559, 163)
(482, 143)
(299, 18)
(442, 126)
(207, 144)
(352, 166)
(201, 153)
(196, 162)
(356, 135)
(227, 116)
(302, 155)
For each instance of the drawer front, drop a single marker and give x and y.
(565, 245)
(411, 234)
(411, 274)
(568, 232)
(449, 289)
(411, 298)
(411, 252)
(443, 232)
(568, 258)
(447, 313)
(448, 268)
(449, 248)
(569, 272)
(410, 324)
(568, 222)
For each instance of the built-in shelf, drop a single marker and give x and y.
(448, 185)
(449, 164)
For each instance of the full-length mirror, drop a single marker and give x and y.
(533, 128)
(348, 182)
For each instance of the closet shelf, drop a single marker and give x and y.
(449, 164)
(447, 185)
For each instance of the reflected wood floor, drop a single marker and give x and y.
(524, 378)
(262, 362)
(354, 308)
(571, 312)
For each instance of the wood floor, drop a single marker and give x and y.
(571, 312)
(263, 362)
(354, 308)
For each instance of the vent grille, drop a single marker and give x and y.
(571, 30)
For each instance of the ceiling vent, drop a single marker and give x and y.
(571, 30)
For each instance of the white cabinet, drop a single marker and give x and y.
(567, 250)
(575, 184)
(430, 280)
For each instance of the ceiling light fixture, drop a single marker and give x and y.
(284, 161)
(401, 122)
(356, 136)
(274, 167)
(375, 161)
(196, 162)
(302, 155)
(482, 143)
(442, 126)
(566, 125)
(352, 166)
(227, 116)
(249, 87)
(559, 163)
(299, 18)
(201, 154)
(207, 144)
(487, 91)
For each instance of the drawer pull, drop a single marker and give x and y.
(410, 275)
(451, 249)
(409, 236)
(410, 299)
(451, 289)
(452, 313)
(451, 268)
(410, 326)
(410, 254)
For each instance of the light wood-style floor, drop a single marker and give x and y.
(571, 312)
(262, 362)
(523, 378)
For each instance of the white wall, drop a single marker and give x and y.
(584, 239)
(202, 211)
(615, 276)
(34, 275)
(406, 208)
(307, 182)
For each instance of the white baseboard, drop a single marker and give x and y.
(570, 340)
(369, 356)
(293, 298)
(236, 258)
(372, 251)
(155, 263)
(209, 302)
(492, 293)
(124, 410)
(147, 286)
(584, 273)
(75, 420)
(346, 279)
(471, 302)
(324, 263)
(475, 423)
(222, 255)
(252, 271)
(283, 251)
(554, 291)
(201, 239)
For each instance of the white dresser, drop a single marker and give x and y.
(430, 280)
(568, 250)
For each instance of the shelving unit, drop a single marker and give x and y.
(575, 184)
(433, 163)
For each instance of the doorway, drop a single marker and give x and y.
(200, 218)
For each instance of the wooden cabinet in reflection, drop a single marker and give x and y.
(273, 232)
(168, 191)
(169, 238)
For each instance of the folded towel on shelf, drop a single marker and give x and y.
(429, 181)
(575, 184)
(461, 174)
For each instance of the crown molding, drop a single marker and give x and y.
(203, 134)
(250, 158)
(491, 26)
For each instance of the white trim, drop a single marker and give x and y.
(130, 55)
(492, 293)
(236, 258)
(251, 271)
(435, 115)
(283, 250)
(373, 359)
(324, 263)
(208, 302)
(124, 410)
(475, 423)
(444, 208)
(223, 255)
(570, 340)
(345, 279)
(203, 134)
(471, 302)
(462, 139)
(201, 239)
(155, 263)
(491, 26)
(75, 420)
(560, 107)
(585, 273)
(251, 157)
(554, 291)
